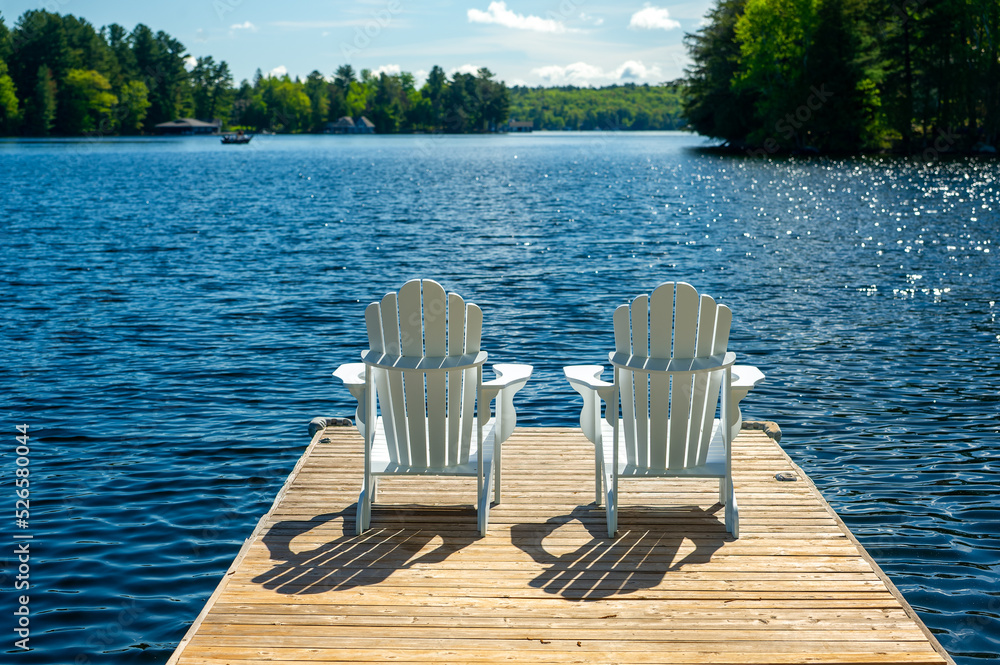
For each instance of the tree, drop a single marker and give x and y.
(713, 106)
(211, 89)
(120, 46)
(344, 76)
(387, 109)
(434, 90)
(493, 101)
(287, 104)
(42, 118)
(39, 38)
(85, 103)
(9, 113)
(133, 104)
(6, 47)
(160, 62)
(317, 90)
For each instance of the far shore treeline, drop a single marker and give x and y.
(60, 76)
(768, 76)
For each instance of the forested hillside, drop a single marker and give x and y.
(920, 76)
(629, 106)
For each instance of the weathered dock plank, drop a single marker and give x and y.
(546, 585)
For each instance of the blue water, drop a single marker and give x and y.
(172, 310)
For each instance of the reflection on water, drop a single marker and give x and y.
(174, 309)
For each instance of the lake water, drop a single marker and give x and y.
(173, 310)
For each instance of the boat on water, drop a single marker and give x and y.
(237, 138)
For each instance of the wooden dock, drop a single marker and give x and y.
(546, 585)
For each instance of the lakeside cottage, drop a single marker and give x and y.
(347, 125)
(519, 126)
(189, 127)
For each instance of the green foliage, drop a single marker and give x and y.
(624, 107)
(9, 114)
(43, 115)
(133, 104)
(713, 105)
(86, 103)
(847, 75)
(210, 89)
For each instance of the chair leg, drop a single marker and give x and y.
(483, 510)
(360, 521)
(598, 480)
(732, 510)
(497, 452)
(611, 513)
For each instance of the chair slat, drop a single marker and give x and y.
(623, 334)
(473, 328)
(677, 429)
(390, 324)
(723, 323)
(436, 344)
(700, 396)
(661, 320)
(473, 338)
(640, 382)
(411, 342)
(373, 323)
(623, 344)
(627, 439)
(411, 325)
(435, 319)
(456, 346)
(659, 401)
(396, 424)
(685, 321)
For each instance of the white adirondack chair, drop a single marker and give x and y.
(421, 385)
(670, 368)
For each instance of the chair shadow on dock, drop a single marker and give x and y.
(646, 550)
(347, 560)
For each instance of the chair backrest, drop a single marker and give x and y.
(428, 417)
(667, 419)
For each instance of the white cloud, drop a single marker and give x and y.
(652, 18)
(190, 62)
(246, 25)
(635, 70)
(582, 74)
(464, 69)
(278, 71)
(498, 13)
(579, 73)
(391, 70)
(595, 20)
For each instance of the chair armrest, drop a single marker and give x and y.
(353, 376)
(508, 374)
(586, 380)
(510, 379)
(746, 376)
(586, 376)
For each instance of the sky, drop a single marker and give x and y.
(556, 42)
